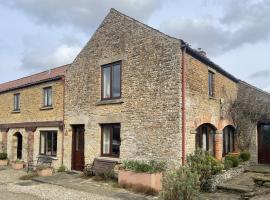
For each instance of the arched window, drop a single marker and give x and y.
(205, 138)
(228, 140)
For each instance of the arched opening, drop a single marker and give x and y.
(229, 140)
(205, 138)
(264, 142)
(17, 146)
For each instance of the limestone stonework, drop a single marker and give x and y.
(149, 111)
(32, 118)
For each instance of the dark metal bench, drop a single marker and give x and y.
(100, 167)
(42, 160)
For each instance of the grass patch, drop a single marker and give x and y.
(139, 189)
(28, 176)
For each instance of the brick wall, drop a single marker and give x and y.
(204, 109)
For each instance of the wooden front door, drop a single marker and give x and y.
(78, 147)
(264, 143)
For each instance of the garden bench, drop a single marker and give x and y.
(42, 160)
(100, 166)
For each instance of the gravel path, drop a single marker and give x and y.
(11, 188)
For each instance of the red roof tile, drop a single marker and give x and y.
(34, 79)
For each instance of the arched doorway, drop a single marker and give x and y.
(17, 146)
(205, 138)
(229, 140)
(264, 143)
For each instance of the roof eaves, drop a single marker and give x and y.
(207, 61)
(31, 84)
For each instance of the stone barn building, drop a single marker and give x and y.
(131, 93)
(136, 93)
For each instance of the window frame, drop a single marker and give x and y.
(45, 89)
(45, 143)
(211, 83)
(227, 144)
(17, 102)
(207, 129)
(111, 139)
(111, 65)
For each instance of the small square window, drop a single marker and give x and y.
(48, 143)
(111, 140)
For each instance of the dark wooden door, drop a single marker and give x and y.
(78, 147)
(264, 143)
(19, 146)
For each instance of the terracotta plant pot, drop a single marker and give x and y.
(45, 172)
(3, 162)
(17, 166)
(142, 179)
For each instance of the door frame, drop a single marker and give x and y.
(259, 131)
(74, 126)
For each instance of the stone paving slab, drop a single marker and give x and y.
(263, 169)
(74, 181)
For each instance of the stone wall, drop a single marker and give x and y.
(201, 108)
(31, 111)
(149, 110)
(31, 104)
(250, 93)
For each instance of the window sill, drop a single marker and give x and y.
(16, 111)
(212, 97)
(44, 156)
(46, 108)
(110, 101)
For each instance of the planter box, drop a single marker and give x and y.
(3, 162)
(17, 166)
(45, 172)
(140, 179)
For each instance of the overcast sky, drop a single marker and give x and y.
(36, 35)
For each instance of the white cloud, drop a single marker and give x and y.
(241, 22)
(85, 14)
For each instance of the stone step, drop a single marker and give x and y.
(262, 169)
(235, 188)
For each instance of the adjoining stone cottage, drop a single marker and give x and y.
(31, 116)
(131, 93)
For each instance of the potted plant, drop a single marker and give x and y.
(3, 159)
(18, 164)
(43, 170)
(141, 174)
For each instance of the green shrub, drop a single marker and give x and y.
(244, 156)
(181, 184)
(18, 161)
(145, 167)
(228, 164)
(234, 159)
(3, 156)
(204, 164)
(62, 168)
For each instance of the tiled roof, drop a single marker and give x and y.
(34, 79)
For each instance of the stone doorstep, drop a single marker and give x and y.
(235, 188)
